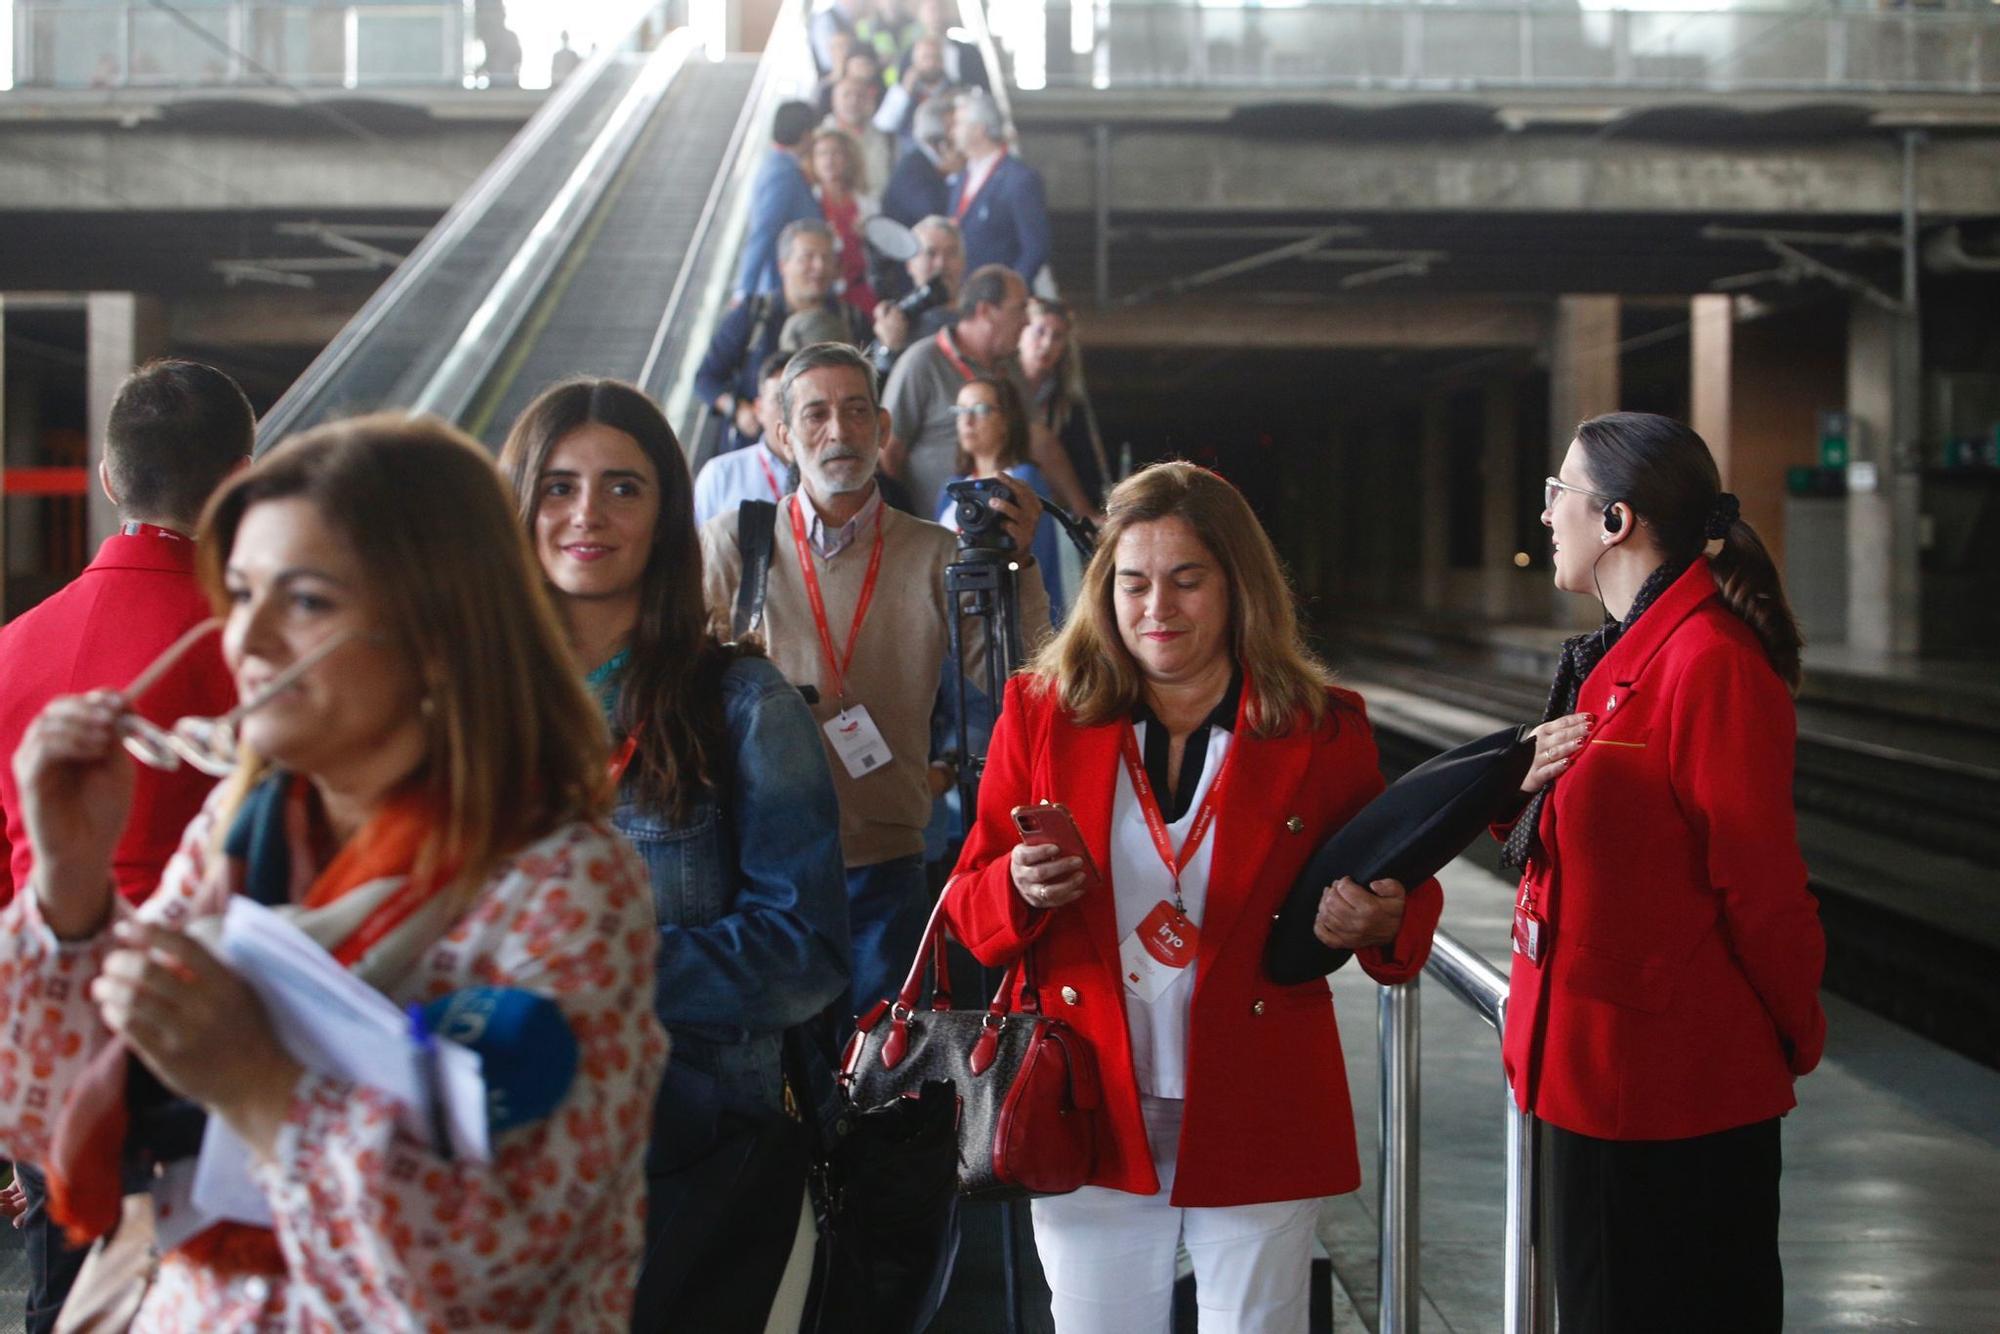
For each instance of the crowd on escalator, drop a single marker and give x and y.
(340, 763)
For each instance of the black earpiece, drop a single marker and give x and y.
(1613, 520)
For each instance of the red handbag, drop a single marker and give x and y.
(1027, 1083)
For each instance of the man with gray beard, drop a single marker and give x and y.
(856, 608)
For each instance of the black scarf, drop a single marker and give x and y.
(1580, 657)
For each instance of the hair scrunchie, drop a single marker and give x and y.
(1727, 507)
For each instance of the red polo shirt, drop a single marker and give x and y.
(135, 599)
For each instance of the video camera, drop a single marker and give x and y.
(981, 528)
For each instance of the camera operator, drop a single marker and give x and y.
(930, 304)
(992, 311)
(855, 604)
(750, 331)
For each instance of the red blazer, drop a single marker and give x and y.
(136, 598)
(1680, 992)
(1267, 1113)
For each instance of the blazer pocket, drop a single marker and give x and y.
(1647, 987)
(1634, 740)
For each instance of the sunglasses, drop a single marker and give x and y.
(206, 744)
(976, 411)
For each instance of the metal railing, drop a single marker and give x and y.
(219, 45)
(1529, 1299)
(1445, 47)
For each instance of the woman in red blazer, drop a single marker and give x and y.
(1205, 758)
(1667, 953)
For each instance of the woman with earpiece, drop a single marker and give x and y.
(1667, 954)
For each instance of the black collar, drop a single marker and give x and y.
(1194, 755)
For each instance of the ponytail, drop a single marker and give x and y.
(1751, 588)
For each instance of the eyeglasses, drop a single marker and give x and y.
(207, 744)
(976, 411)
(1552, 487)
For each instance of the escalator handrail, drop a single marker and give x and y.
(472, 208)
(713, 251)
(486, 337)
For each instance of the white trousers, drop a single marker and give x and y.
(1109, 1255)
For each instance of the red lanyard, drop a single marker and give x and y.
(622, 760)
(950, 350)
(138, 529)
(1156, 820)
(770, 478)
(970, 192)
(836, 663)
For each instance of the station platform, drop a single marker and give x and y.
(1897, 779)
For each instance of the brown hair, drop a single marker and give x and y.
(1087, 663)
(671, 693)
(857, 170)
(1664, 471)
(513, 748)
(1013, 416)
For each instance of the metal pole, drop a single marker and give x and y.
(1522, 1279)
(1909, 416)
(1398, 1036)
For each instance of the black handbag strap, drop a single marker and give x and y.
(756, 533)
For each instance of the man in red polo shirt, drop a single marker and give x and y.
(176, 430)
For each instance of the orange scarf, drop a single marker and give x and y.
(85, 1156)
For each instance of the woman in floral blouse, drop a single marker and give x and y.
(424, 800)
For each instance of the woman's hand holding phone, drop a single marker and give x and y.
(1050, 866)
(1047, 877)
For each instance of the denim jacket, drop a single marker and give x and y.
(751, 894)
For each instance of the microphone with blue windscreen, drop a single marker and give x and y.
(526, 1049)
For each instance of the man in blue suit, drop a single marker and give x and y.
(917, 188)
(782, 194)
(998, 199)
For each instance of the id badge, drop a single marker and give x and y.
(1159, 949)
(857, 741)
(1531, 935)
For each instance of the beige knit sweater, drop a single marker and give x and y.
(896, 667)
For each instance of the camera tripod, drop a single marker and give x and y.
(982, 585)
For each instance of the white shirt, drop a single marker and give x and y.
(727, 480)
(1139, 880)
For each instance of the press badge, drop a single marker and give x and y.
(857, 741)
(1531, 934)
(1156, 952)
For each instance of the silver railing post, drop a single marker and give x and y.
(1397, 1032)
(1526, 1291)
(1528, 1306)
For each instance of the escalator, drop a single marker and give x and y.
(595, 243)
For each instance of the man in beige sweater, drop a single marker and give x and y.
(856, 607)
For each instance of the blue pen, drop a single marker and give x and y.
(424, 1046)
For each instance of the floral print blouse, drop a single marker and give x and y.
(378, 1232)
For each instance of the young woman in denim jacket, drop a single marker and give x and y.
(724, 789)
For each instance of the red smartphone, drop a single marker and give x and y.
(1050, 824)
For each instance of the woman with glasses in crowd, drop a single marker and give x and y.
(723, 787)
(1205, 757)
(993, 442)
(1663, 1005)
(418, 789)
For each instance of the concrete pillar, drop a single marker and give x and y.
(121, 330)
(1583, 382)
(1711, 364)
(1434, 510)
(1499, 460)
(1882, 505)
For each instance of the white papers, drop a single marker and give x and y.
(334, 1024)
